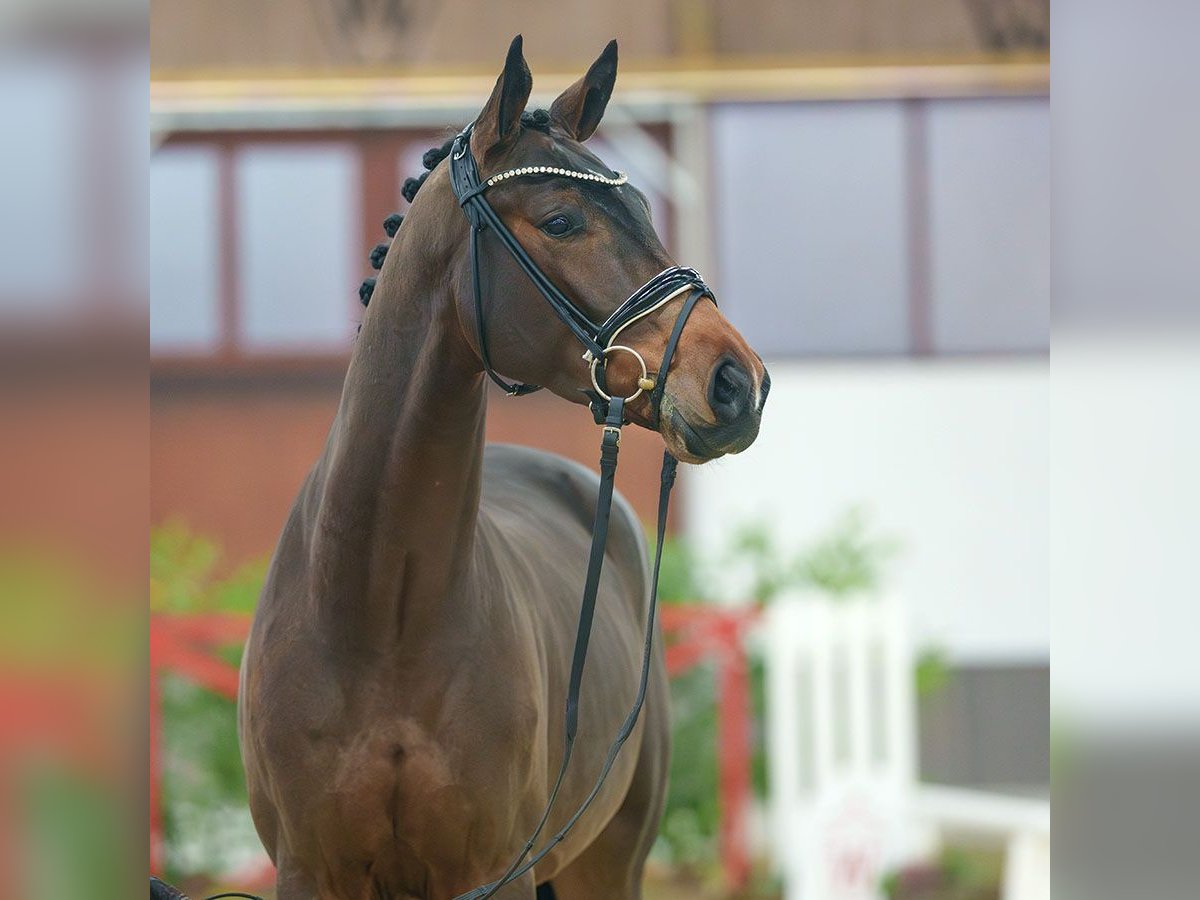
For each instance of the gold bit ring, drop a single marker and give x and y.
(642, 381)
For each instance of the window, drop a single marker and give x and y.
(989, 224)
(257, 247)
(810, 226)
(44, 216)
(885, 227)
(299, 246)
(184, 250)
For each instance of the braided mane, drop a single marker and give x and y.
(537, 120)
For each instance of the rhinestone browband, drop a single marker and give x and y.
(555, 170)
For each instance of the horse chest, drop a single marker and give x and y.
(422, 795)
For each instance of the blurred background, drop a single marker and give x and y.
(861, 671)
(908, 522)
(861, 684)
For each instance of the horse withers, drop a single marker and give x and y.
(403, 684)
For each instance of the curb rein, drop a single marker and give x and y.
(599, 341)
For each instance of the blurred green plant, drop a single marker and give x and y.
(848, 560)
(206, 819)
(70, 847)
(958, 873)
(184, 575)
(932, 671)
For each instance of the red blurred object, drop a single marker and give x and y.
(187, 645)
(696, 634)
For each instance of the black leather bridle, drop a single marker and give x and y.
(599, 341)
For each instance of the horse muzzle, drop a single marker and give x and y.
(736, 405)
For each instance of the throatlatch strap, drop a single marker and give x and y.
(516, 389)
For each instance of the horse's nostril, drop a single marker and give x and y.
(729, 391)
(725, 388)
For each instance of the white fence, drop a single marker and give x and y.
(846, 807)
(841, 743)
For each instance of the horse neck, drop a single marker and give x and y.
(398, 486)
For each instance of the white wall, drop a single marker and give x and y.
(1126, 437)
(951, 457)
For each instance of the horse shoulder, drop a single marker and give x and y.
(560, 494)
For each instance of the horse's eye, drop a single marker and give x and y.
(557, 226)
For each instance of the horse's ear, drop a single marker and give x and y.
(501, 117)
(579, 109)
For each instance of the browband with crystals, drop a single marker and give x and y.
(619, 180)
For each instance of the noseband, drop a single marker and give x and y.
(600, 343)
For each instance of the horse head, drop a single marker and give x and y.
(590, 232)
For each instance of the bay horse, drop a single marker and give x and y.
(399, 712)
